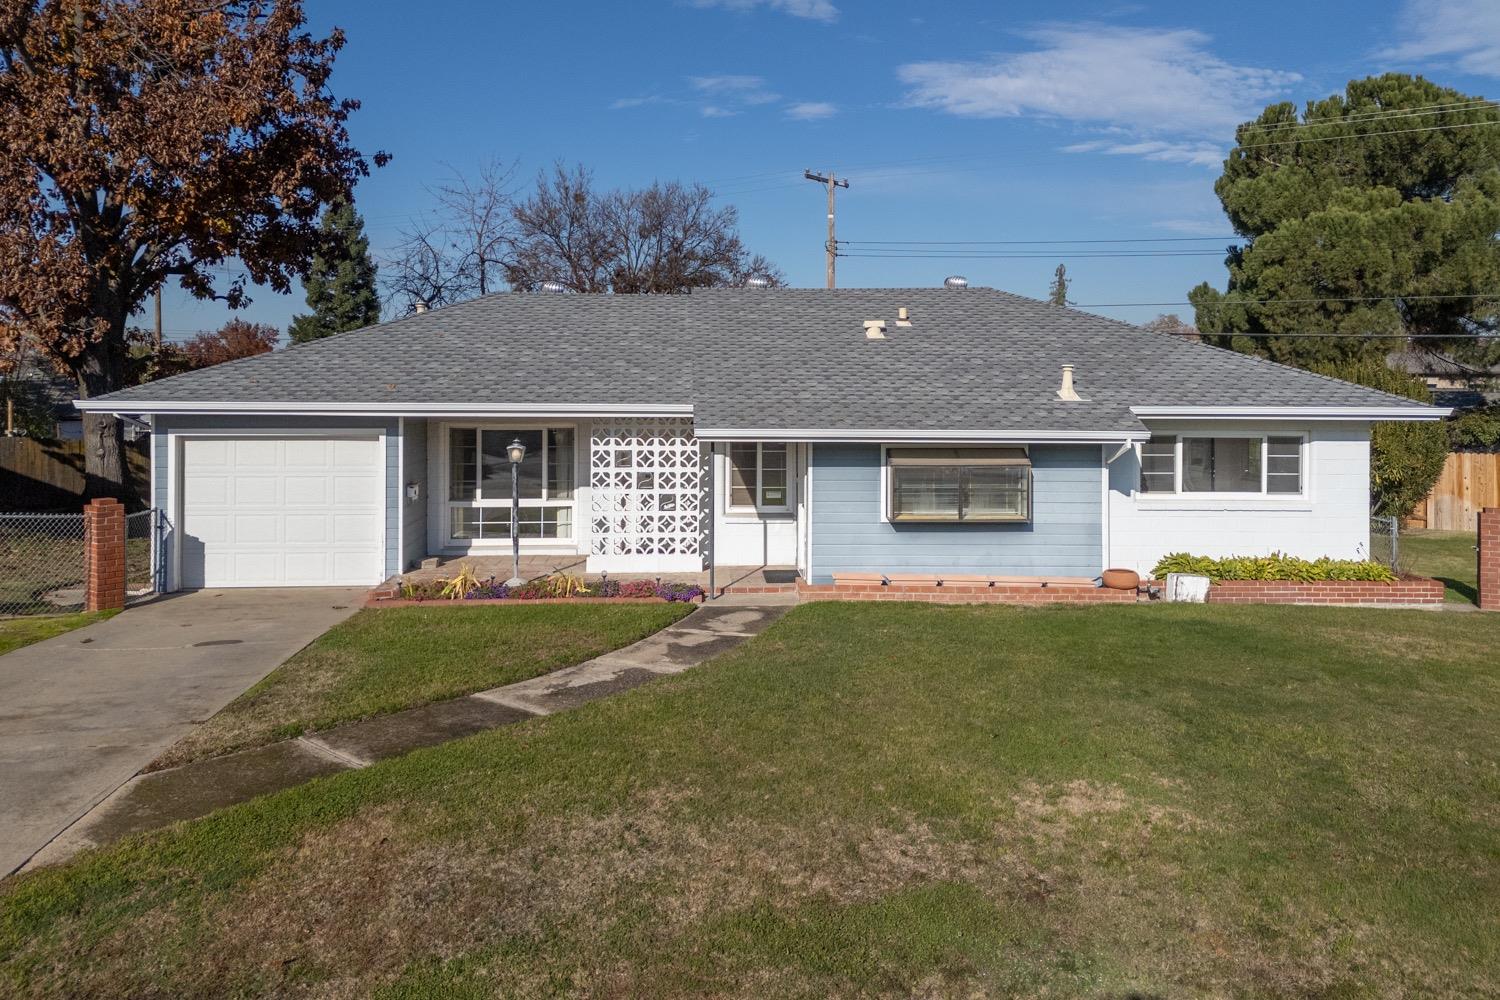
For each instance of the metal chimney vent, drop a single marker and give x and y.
(956, 281)
(552, 288)
(757, 281)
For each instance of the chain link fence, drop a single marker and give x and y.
(1385, 541)
(142, 571)
(41, 563)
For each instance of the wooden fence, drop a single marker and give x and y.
(1470, 482)
(48, 475)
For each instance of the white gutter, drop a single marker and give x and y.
(1007, 435)
(104, 405)
(1421, 412)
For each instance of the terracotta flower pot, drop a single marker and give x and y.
(1121, 579)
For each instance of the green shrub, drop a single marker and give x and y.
(1276, 566)
(1477, 430)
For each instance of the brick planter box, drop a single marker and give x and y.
(1416, 590)
(965, 593)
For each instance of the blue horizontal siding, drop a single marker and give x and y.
(1064, 537)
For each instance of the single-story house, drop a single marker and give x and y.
(920, 430)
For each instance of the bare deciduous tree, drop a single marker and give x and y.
(477, 214)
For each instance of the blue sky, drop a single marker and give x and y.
(952, 120)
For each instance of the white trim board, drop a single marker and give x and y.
(919, 437)
(456, 410)
(1361, 413)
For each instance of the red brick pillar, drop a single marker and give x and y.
(1489, 559)
(104, 555)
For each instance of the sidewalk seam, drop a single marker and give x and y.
(317, 746)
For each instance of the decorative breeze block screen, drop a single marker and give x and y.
(647, 479)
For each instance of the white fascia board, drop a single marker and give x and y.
(389, 409)
(826, 436)
(1361, 413)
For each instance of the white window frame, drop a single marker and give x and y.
(1265, 467)
(757, 508)
(482, 502)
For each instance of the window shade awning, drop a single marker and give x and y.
(958, 456)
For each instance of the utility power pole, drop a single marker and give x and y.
(833, 183)
(158, 321)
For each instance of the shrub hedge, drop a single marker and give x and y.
(1276, 566)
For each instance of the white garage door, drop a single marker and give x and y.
(282, 512)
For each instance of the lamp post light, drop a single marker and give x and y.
(515, 451)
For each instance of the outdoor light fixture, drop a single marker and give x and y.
(516, 452)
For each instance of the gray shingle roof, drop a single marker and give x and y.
(976, 359)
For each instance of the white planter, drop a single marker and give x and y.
(1186, 587)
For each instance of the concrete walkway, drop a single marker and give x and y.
(154, 800)
(82, 712)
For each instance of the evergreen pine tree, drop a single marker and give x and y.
(1059, 292)
(341, 284)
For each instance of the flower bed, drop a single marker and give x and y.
(465, 587)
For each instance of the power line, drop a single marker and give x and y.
(1346, 298)
(870, 244)
(1367, 135)
(1039, 255)
(1378, 116)
(1335, 336)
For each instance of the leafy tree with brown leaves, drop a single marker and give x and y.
(144, 140)
(234, 340)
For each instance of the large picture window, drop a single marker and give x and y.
(479, 483)
(1244, 464)
(959, 484)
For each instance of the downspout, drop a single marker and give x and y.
(713, 513)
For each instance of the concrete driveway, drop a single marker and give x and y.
(83, 712)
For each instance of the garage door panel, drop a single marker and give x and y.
(206, 489)
(249, 453)
(352, 489)
(307, 453)
(256, 529)
(306, 491)
(295, 511)
(255, 491)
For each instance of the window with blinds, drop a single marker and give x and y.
(959, 484)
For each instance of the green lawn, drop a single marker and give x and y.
(18, 632)
(385, 660)
(1447, 556)
(894, 800)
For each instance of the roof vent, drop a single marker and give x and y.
(757, 281)
(903, 316)
(1067, 393)
(956, 281)
(419, 306)
(874, 329)
(552, 288)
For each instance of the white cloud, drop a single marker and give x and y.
(813, 10)
(715, 111)
(622, 103)
(1202, 154)
(735, 87)
(1461, 32)
(812, 110)
(1162, 92)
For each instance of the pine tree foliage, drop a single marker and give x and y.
(1058, 293)
(1356, 222)
(341, 283)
